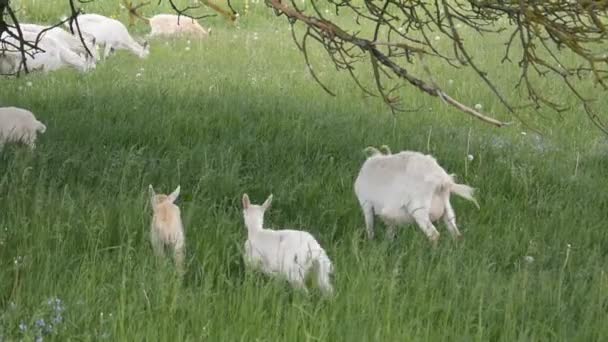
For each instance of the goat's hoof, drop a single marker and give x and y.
(434, 240)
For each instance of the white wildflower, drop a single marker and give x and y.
(187, 48)
(529, 259)
(524, 133)
(437, 38)
(138, 75)
(478, 106)
(28, 83)
(470, 157)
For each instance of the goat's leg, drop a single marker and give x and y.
(421, 215)
(368, 212)
(449, 218)
(391, 230)
(107, 50)
(296, 279)
(179, 257)
(157, 245)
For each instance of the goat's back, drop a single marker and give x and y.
(387, 180)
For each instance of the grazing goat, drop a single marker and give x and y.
(19, 125)
(170, 25)
(167, 229)
(112, 34)
(53, 54)
(71, 41)
(291, 253)
(407, 187)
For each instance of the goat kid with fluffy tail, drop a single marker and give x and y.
(19, 125)
(291, 253)
(167, 229)
(407, 187)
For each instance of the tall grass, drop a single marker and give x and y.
(237, 114)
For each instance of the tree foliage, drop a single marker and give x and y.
(395, 35)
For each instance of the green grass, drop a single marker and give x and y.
(235, 115)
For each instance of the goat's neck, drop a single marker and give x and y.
(254, 227)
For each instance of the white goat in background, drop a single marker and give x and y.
(111, 33)
(71, 41)
(53, 54)
(407, 187)
(291, 253)
(19, 125)
(166, 229)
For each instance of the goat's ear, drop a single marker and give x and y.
(151, 191)
(174, 194)
(146, 45)
(246, 202)
(266, 204)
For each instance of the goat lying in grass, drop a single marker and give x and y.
(70, 41)
(53, 54)
(19, 125)
(167, 229)
(291, 253)
(407, 187)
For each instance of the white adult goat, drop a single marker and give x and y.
(52, 54)
(19, 125)
(73, 42)
(166, 229)
(408, 187)
(291, 253)
(112, 34)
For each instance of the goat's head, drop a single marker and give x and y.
(160, 199)
(253, 213)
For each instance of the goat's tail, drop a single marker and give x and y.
(464, 191)
(41, 128)
(324, 271)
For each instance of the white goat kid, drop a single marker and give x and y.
(408, 187)
(291, 253)
(167, 229)
(112, 34)
(19, 125)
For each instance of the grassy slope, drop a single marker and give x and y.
(236, 114)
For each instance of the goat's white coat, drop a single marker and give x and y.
(55, 55)
(166, 228)
(408, 187)
(291, 253)
(112, 34)
(173, 25)
(19, 125)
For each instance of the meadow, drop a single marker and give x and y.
(239, 113)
